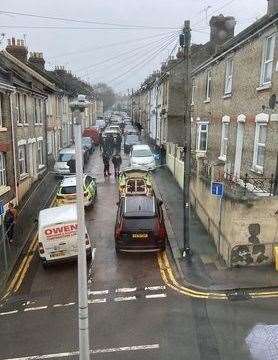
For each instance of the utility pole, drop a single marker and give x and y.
(185, 40)
(78, 108)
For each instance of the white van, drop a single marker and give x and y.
(57, 234)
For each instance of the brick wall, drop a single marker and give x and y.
(245, 99)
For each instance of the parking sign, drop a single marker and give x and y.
(217, 188)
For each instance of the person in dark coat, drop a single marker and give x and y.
(72, 166)
(117, 161)
(9, 222)
(118, 143)
(106, 163)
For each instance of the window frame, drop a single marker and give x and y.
(193, 91)
(265, 62)
(3, 170)
(224, 138)
(24, 159)
(24, 109)
(18, 109)
(257, 167)
(208, 85)
(40, 157)
(199, 131)
(229, 76)
(1, 110)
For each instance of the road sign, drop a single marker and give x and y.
(1, 208)
(217, 188)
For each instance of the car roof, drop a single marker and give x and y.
(69, 150)
(57, 215)
(139, 206)
(141, 147)
(71, 180)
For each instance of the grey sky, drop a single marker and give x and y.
(133, 59)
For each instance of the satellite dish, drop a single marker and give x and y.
(272, 101)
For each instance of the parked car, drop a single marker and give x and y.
(130, 140)
(135, 182)
(140, 225)
(142, 156)
(100, 123)
(93, 133)
(60, 167)
(115, 128)
(66, 193)
(88, 143)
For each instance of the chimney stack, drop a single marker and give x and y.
(272, 7)
(36, 58)
(222, 28)
(17, 49)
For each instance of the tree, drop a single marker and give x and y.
(106, 94)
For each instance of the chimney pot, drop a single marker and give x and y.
(222, 28)
(272, 7)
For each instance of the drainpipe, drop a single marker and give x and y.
(13, 141)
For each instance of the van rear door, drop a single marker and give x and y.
(60, 241)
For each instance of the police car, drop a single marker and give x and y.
(67, 191)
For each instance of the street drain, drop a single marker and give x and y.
(238, 295)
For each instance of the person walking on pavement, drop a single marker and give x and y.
(106, 163)
(9, 222)
(118, 143)
(117, 161)
(72, 166)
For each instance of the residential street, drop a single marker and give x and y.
(133, 314)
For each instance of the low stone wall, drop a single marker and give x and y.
(244, 232)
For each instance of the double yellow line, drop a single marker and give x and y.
(169, 279)
(23, 268)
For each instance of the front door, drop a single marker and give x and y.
(239, 146)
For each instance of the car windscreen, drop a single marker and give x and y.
(141, 153)
(67, 190)
(65, 157)
(137, 224)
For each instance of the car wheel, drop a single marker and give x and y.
(89, 256)
(163, 247)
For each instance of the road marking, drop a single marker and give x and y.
(96, 301)
(125, 298)
(126, 290)
(155, 288)
(96, 351)
(9, 312)
(35, 308)
(154, 296)
(64, 305)
(98, 292)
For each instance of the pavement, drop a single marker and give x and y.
(205, 270)
(38, 197)
(134, 314)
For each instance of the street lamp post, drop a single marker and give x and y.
(186, 43)
(78, 108)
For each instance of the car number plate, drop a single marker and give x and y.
(57, 253)
(139, 236)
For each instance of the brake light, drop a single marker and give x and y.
(41, 249)
(119, 230)
(160, 230)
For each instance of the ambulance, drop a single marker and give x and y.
(57, 235)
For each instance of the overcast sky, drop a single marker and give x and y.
(117, 55)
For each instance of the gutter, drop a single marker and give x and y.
(220, 56)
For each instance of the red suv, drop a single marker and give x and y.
(140, 225)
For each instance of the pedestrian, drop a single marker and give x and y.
(118, 143)
(117, 161)
(72, 165)
(100, 141)
(106, 163)
(162, 155)
(9, 221)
